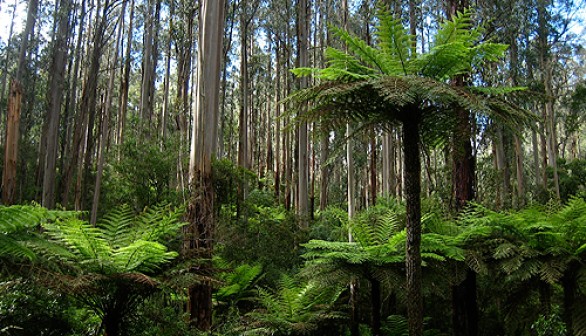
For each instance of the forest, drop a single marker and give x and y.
(293, 167)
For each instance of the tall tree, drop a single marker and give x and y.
(200, 212)
(149, 62)
(55, 92)
(303, 159)
(545, 64)
(464, 305)
(105, 124)
(14, 106)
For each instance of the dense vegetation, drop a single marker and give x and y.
(256, 167)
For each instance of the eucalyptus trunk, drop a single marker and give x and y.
(54, 98)
(105, 129)
(11, 143)
(16, 92)
(303, 159)
(89, 102)
(200, 213)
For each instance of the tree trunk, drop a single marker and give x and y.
(519, 155)
(372, 170)
(412, 181)
(9, 176)
(89, 103)
(125, 81)
(200, 212)
(376, 307)
(3, 76)
(149, 64)
(243, 119)
(520, 172)
(11, 143)
(278, 161)
(167, 78)
(105, 131)
(302, 39)
(570, 287)
(464, 306)
(31, 19)
(549, 139)
(502, 168)
(67, 172)
(54, 99)
(463, 180)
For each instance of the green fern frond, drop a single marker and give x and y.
(366, 54)
(116, 226)
(85, 241)
(141, 256)
(395, 42)
(17, 225)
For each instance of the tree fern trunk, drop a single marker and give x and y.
(411, 142)
(569, 285)
(376, 307)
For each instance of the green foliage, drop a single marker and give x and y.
(379, 248)
(120, 243)
(572, 178)
(141, 174)
(238, 284)
(268, 235)
(26, 309)
(295, 308)
(228, 177)
(331, 224)
(161, 314)
(396, 325)
(389, 83)
(577, 104)
(551, 325)
(108, 268)
(17, 225)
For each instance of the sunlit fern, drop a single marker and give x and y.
(17, 226)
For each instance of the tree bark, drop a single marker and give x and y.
(8, 54)
(70, 111)
(412, 181)
(549, 139)
(89, 102)
(105, 131)
(167, 78)
(376, 306)
(303, 167)
(54, 98)
(200, 212)
(11, 143)
(14, 106)
(464, 304)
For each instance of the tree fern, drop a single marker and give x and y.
(420, 97)
(108, 267)
(294, 308)
(238, 284)
(17, 224)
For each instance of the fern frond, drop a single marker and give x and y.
(85, 241)
(366, 54)
(141, 256)
(16, 228)
(116, 226)
(395, 42)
